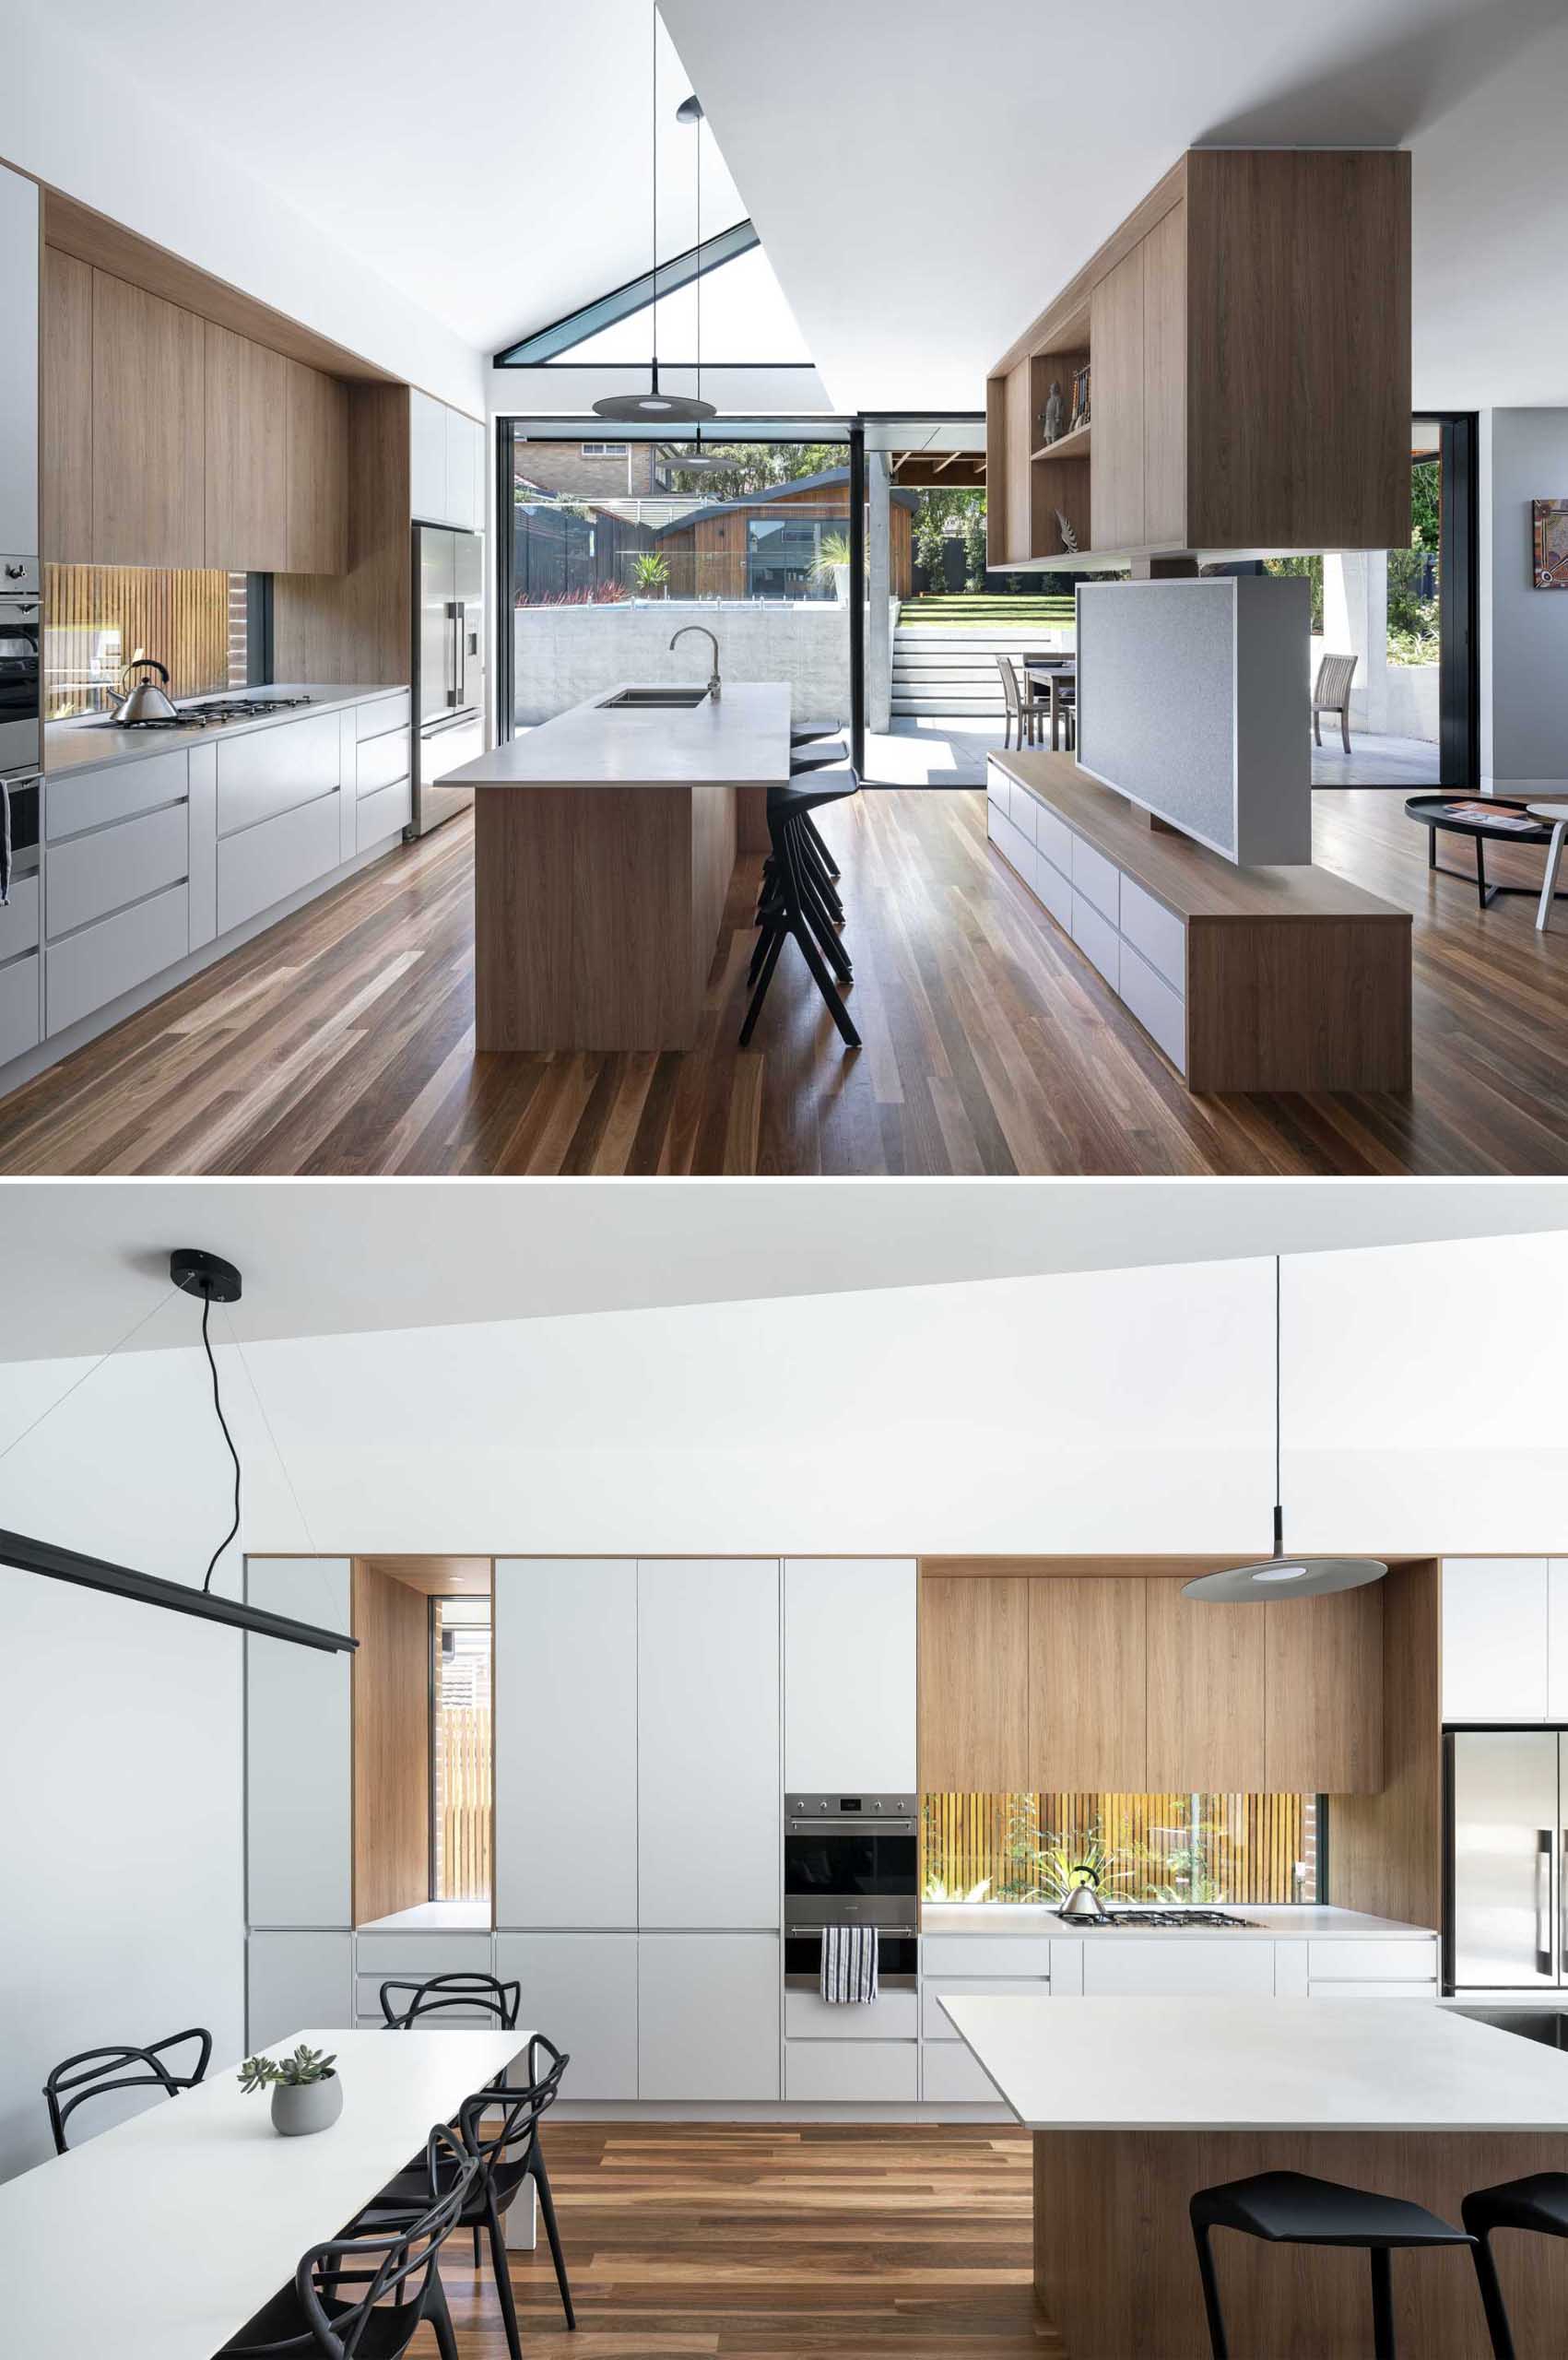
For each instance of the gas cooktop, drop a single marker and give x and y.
(214, 710)
(1176, 1917)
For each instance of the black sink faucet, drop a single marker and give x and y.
(714, 682)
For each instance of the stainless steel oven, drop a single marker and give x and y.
(852, 1859)
(22, 665)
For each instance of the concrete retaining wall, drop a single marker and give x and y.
(565, 654)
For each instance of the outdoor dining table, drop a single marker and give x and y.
(158, 2239)
(1057, 677)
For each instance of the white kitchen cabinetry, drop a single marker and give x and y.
(297, 1982)
(407, 1958)
(851, 2073)
(566, 1804)
(461, 472)
(849, 1675)
(709, 1790)
(580, 1991)
(446, 465)
(1557, 1640)
(1496, 1640)
(22, 986)
(90, 969)
(18, 365)
(297, 1755)
(708, 2017)
(952, 2075)
(1175, 1969)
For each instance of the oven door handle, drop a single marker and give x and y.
(891, 1933)
(851, 1826)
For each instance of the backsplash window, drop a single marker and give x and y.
(1197, 1850)
(95, 617)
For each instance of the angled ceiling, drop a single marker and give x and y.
(85, 1261)
(944, 215)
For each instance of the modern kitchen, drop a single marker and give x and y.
(943, 1837)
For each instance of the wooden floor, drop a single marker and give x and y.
(772, 2243)
(341, 1042)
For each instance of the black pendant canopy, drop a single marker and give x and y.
(655, 408)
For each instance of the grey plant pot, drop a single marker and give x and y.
(297, 2109)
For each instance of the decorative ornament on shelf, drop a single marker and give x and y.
(1550, 517)
(1081, 399)
(1051, 424)
(1069, 538)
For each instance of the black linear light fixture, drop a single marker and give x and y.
(1280, 1576)
(211, 1280)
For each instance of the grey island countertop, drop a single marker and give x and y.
(740, 738)
(85, 744)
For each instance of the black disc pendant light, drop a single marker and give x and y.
(1281, 1575)
(655, 408)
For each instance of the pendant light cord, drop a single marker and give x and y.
(218, 1405)
(75, 1388)
(654, 13)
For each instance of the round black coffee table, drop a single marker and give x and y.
(1457, 815)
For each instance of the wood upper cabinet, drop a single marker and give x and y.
(974, 1683)
(1164, 253)
(1087, 1726)
(1206, 1694)
(66, 453)
(317, 537)
(247, 453)
(1116, 342)
(1323, 1681)
(149, 428)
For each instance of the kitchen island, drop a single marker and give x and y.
(1137, 2103)
(604, 844)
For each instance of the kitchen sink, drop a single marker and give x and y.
(1548, 2024)
(683, 698)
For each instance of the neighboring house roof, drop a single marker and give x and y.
(829, 477)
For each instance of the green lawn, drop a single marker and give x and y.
(976, 610)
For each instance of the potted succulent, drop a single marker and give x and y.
(306, 2092)
(833, 565)
(650, 574)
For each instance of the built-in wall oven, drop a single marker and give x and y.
(854, 1860)
(22, 665)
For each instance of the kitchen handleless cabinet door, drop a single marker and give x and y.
(565, 1743)
(460, 473)
(318, 472)
(298, 1750)
(19, 364)
(710, 1794)
(295, 1982)
(149, 428)
(849, 1685)
(247, 453)
(708, 2017)
(427, 458)
(1205, 1689)
(974, 1684)
(1086, 1727)
(580, 1991)
(1496, 1651)
(1323, 1693)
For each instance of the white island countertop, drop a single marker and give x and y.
(740, 739)
(1303, 1922)
(84, 744)
(1260, 2064)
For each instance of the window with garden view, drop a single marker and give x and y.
(1172, 1851)
(460, 1748)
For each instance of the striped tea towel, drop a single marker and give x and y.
(849, 1966)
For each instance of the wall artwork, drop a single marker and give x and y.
(1551, 544)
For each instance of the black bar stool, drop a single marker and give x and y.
(1293, 2209)
(1537, 2202)
(830, 757)
(791, 904)
(806, 733)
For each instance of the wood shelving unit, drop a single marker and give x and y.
(1067, 446)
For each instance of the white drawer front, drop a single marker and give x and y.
(93, 967)
(893, 2016)
(1373, 1990)
(998, 786)
(94, 874)
(1021, 808)
(852, 2072)
(275, 769)
(937, 2025)
(1371, 1961)
(1186, 1964)
(19, 1021)
(1159, 1010)
(382, 760)
(383, 815)
(1097, 939)
(387, 712)
(952, 2075)
(1055, 838)
(423, 1954)
(19, 918)
(1150, 927)
(985, 1954)
(1014, 847)
(88, 799)
(1054, 890)
(1096, 877)
(266, 863)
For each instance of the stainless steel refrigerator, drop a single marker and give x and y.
(449, 668)
(1507, 1812)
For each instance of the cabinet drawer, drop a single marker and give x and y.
(275, 769)
(264, 864)
(368, 2008)
(852, 2072)
(1096, 878)
(19, 1021)
(985, 1954)
(1151, 929)
(998, 786)
(1055, 839)
(952, 2075)
(1097, 939)
(387, 712)
(1373, 1990)
(423, 1955)
(378, 817)
(1021, 807)
(890, 2016)
(936, 2026)
(381, 760)
(1371, 1961)
(19, 918)
(1054, 890)
(1159, 1010)
(93, 967)
(1010, 842)
(1173, 1969)
(113, 867)
(89, 799)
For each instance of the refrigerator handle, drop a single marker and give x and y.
(452, 696)
(1546, 1962)
(462, 653)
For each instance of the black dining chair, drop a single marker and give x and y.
(1538, 2204)
(799, 902)
(392, 2269)
(94, 2072)
(447, 1995)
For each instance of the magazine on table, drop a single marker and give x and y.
(1496, 815)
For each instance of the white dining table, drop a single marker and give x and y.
(157, 2240)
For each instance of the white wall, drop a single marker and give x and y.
(1524, 631)
(68, 116)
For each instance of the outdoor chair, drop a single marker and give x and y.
(1331, 693)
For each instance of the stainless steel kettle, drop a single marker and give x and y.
(146, 700)
(1084, 1899)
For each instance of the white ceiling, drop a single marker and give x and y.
(85, 1261)
(965, 164)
